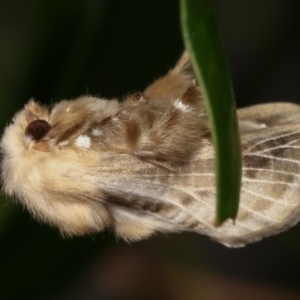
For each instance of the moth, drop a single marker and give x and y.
(147, 164)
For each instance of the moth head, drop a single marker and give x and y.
(38, 132)
(45, 156)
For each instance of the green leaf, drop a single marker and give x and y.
(203, 42)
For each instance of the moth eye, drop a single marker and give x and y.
(37, 129)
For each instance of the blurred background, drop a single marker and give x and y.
(60, 49)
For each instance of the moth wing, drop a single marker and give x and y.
(270, 192)
(147, 197)
(268, 115)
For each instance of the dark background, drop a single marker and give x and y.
(60, 49)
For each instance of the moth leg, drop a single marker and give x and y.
(173, 136)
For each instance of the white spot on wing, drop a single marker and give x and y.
(83, 141)
(178, 104)
(97, 132)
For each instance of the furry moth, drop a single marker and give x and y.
(147, 164)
